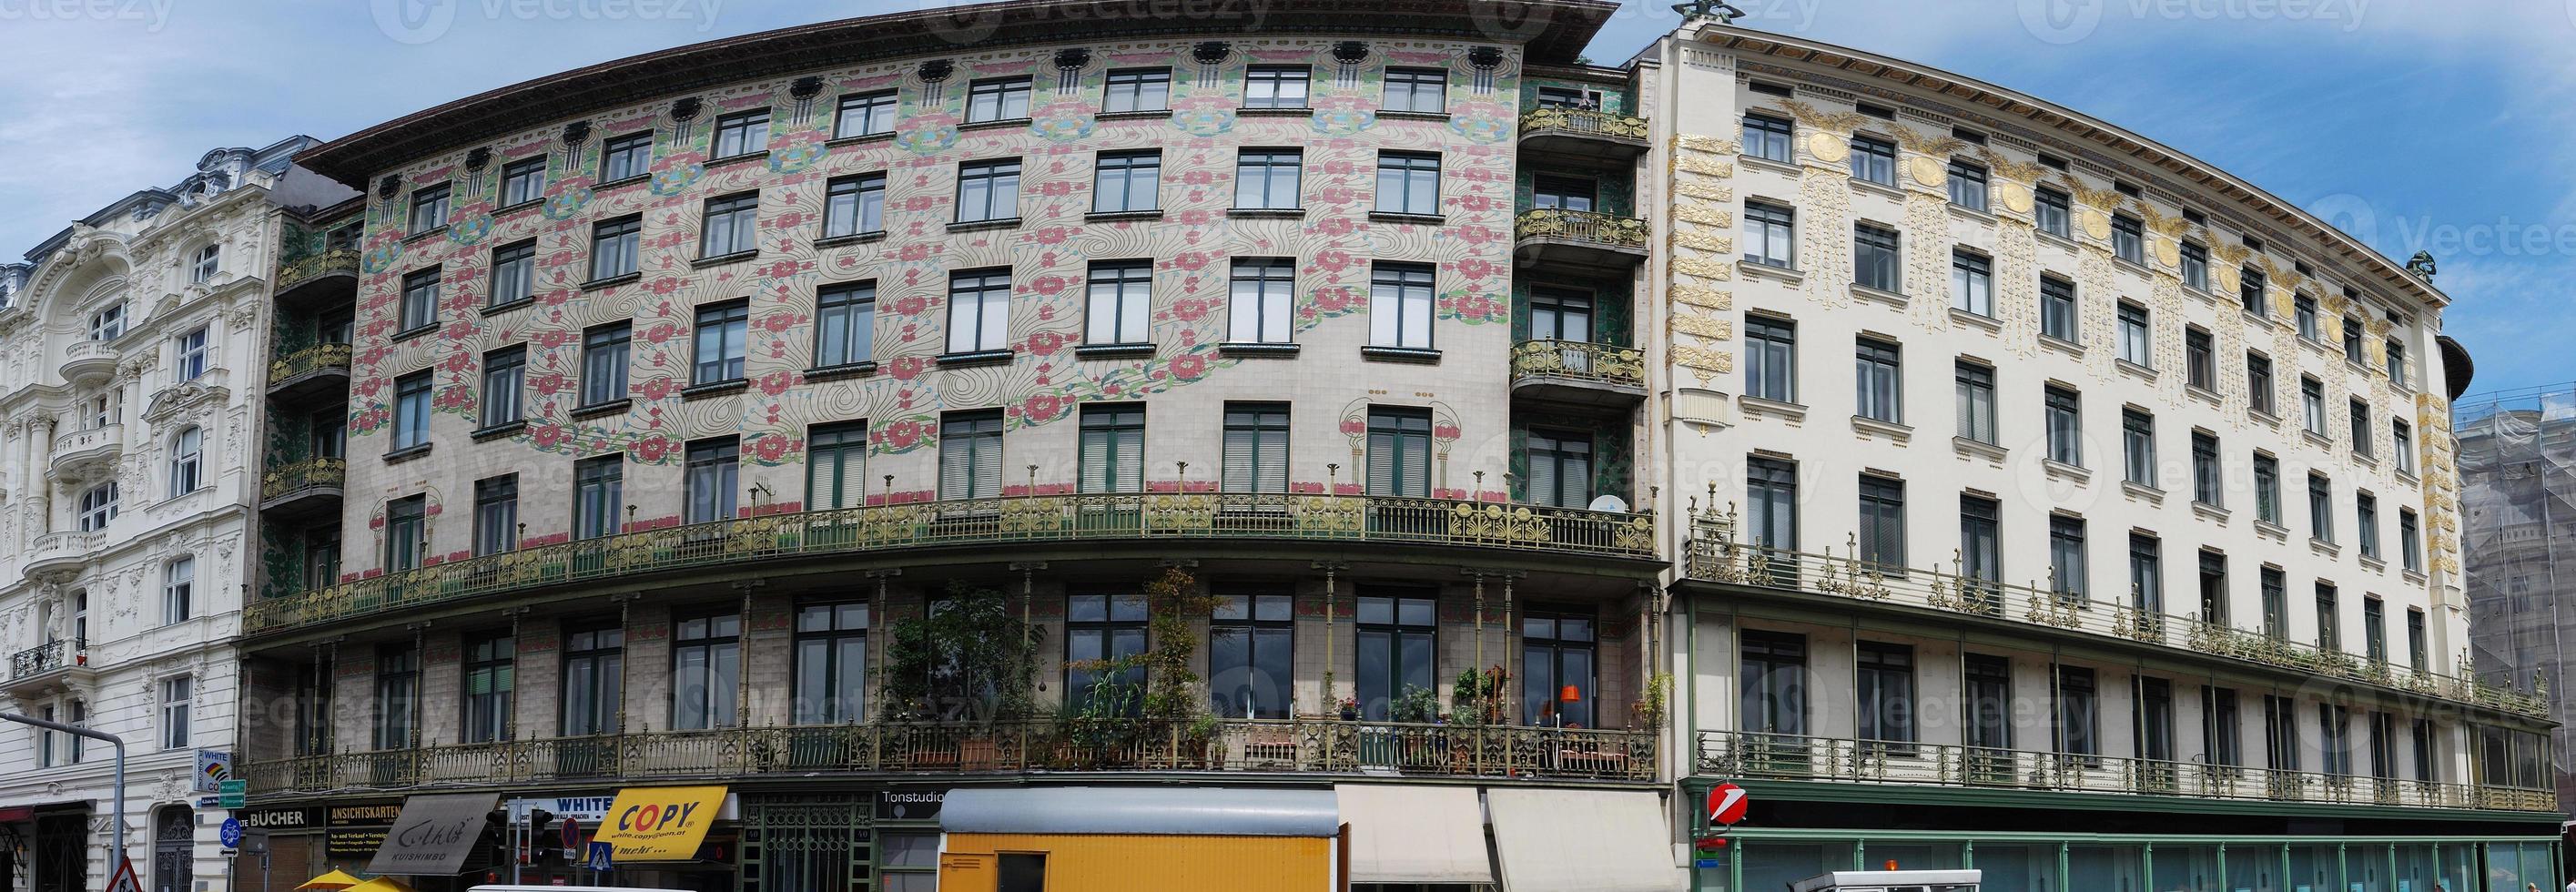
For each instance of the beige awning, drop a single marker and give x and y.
(1556, 840)
(1415, 834)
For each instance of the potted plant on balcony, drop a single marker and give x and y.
(971, 663)
(1349, 708)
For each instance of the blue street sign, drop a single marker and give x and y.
(599, 853)
(232, 833)
(1708, 863)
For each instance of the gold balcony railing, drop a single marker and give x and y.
(1136, 516)
(1712, 555)
(306, 474)
(1579, 360)
(1742, 754)
(1583, 122)
(313, 266)
(1249, 746)
(308, 360)
(1627, 233)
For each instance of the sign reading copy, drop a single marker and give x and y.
(660, 823)
(433, 835)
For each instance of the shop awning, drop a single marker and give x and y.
(659, 823)
(1556, 840)
(1415, 834)
(433, 835)
(336, 879)
(1148, 811)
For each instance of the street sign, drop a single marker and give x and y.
(234, 793)
(231, 833)
(600, 853)
(213, 768)
(1726, 804)
(124, 880)
(1708, 863)
(572, 841)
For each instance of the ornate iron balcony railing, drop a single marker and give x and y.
(1579, 360)
(308, 360)
(1583, 122)
(306, 474)
(47, 657)
(313, 266)
(1627, 233)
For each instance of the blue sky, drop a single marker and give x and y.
(2443, 126)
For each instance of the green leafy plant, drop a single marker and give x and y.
(967, 658)
(1477, 697)
(1417, 704)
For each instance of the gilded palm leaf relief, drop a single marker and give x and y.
(2012, 180)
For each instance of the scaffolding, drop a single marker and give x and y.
(2517, 461)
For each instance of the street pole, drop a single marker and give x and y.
(112, 740)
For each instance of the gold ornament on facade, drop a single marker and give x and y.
(1705, 189)
(1584, 121)
(2097, 225)
(1827, 148)
(1705, 214)
(1818, 119)
(2013, 196)
(1709, 327)
(1707, 167)
(2105, 200)
(1701, 239)
(1714, 145)
(1929, 171)
(1697, 296)
(1704, 268)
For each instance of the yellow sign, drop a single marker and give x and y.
(659, 823)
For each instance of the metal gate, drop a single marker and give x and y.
(808, 844)
(62, 853)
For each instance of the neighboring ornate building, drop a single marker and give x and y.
(2517, 474)
(2055, 501)
(131, 347)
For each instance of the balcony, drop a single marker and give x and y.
(1268, 747)
(309, 372)
(81, 453)
(60, 552)
(302, 487)
(1739, 755)
(1555, 237)
(1579, 372)
(881, 530)
(1599, 136)
(1715, 557)
(319, 273)
(49, 667)
(87, 361)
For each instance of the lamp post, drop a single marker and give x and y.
(112, 740)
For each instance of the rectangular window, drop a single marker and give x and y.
(2329, 619)
(1560, 467)
(1990, 715)
(598, 496)
(2151, 724)
(2396, 359)
(594, 665)
(2067, 571)
(603, 364)
(195, 352)
(2425, 750)
(845, 325)
(2306, 310)
(1968, 185)
(2401, 441)
(2415, 639)
(1267, 178)
(2128, 239)
(2138, 447)
(1399, 452)
(1137, 90)
(2410, 541)
(2134, 346)
(831, 672)
(1771, 359)
(2312, 401)
(836, 466)
(1408, 183)
(1873, 159)
(2267, 488)
(397, 696)
(2199, 358)
(2213, 588)
(1774, 676)
(1256, 447)
(419, 301)
(613, 247)
(1122, 292)
(1878, 371)
(1876, 262)
(2219, 728)
(1396, 654)
(2383, 745)
(2146, 574)
(2057, 312)
(1885, 686)
(2077, 710)
(1770, 234)
(1882, 524)
(2249, 293)
(979, 310)
(2334, 724)
(741, 133)
(523, 181)
(1562, 193)
(490, 679)
(1767, 137)
(1400, 305)
(1274, 86)
(107, 324)
(729, 225)
(178, 590)
(428, 208)
(1568, 97)
(411, 410)
(970, 455)
(2258, 383)
(2366, 528)
(1127, 182)
(2065, 411)
(2276, 603)
(2357, 420)
(1976, 387)
(864, 114)
(625, 157)
(1251, 655)
(2320, 508)
(718, 342)
(1113, 448)
(1981, 552)
(854, 205)
(2207, 481)
(2051, 211)
(1771, 513)
(2374, 629)
(2281, 735)
(1417, 90)
(1557, 656)
(713, 477)
(2195, 266)
(514, 273)
(2352, 329)
(1000, 99)
(1258, 299)
(988, 190)
(496, 515)
(406, 533)
(706, 672)
(1972, 283)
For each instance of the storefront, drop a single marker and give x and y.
(353, 831)
(295, 848)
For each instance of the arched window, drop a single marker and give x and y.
(209, 258)
(185, 466)
(97, 507)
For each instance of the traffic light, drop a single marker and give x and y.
(543, 843)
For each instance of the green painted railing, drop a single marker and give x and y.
(887, 528)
